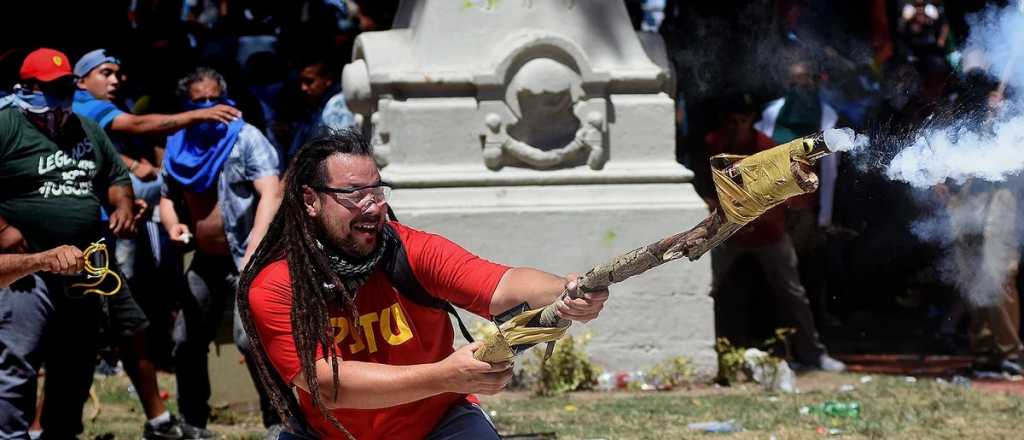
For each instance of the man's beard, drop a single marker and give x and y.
(348, 246)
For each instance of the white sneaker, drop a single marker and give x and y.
(831, 364)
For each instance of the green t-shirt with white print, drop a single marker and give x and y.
(52, 189)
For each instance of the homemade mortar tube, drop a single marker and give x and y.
(747, 187)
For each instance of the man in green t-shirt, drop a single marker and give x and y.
(56, 172)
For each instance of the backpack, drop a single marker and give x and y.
(395, 264)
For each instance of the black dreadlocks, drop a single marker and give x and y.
(292, 236)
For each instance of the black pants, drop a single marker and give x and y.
(779, 263)
(157, 284)
(212, 282)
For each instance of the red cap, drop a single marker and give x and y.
(45, 65)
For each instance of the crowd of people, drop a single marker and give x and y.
(842, 259)
(204, 130)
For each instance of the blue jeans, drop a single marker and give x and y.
(24, 309)
(462, 421)
(41, 323)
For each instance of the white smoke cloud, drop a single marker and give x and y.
(999, 34)
(959, 154)
(991, 153)
(844, 139)
(978, 225)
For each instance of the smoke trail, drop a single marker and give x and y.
(962, 150)
(960, 153)
(980, 151)
(844, 139)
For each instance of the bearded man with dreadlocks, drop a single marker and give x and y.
(347, 308)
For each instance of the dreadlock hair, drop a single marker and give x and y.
(292, 236)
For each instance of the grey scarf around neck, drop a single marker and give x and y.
(354, 275)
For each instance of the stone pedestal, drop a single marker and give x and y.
(541, 133)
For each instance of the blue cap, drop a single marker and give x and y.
(91, 60)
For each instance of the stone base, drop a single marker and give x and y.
(663, 313)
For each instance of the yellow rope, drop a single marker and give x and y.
(517, 333)
(766, 180)
(497, 347)
(99, 273)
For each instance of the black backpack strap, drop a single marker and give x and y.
(399, 272)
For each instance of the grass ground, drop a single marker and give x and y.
(892, 408)
(121, 417)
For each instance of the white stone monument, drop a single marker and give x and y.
(541, 133)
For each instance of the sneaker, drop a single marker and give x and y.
(1011, 367)
(274, 431)
(104, 368)
(831, 364)
(175, 429)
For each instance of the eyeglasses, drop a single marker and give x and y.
(360, 197)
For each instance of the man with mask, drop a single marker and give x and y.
(765, 239)
(96, 76)
(56, 171)
(800, 112)
(324, 103)
(220, 191)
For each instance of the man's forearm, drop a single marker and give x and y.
(265, 211)
(121, 197)
(365, 385)
(153, 124)
(522, 284)
(15, 266)
(168, 216)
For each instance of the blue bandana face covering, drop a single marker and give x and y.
(207, 132)
(48, 111)
(38, 102)
(195, 155)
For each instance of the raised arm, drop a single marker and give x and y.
(160, 124)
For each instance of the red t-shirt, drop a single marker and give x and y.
(770, 226)
(396, 331)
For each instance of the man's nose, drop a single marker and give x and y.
(372, 206)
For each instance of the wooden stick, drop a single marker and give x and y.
(692, 244)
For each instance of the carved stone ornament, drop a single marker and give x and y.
(552, 127)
